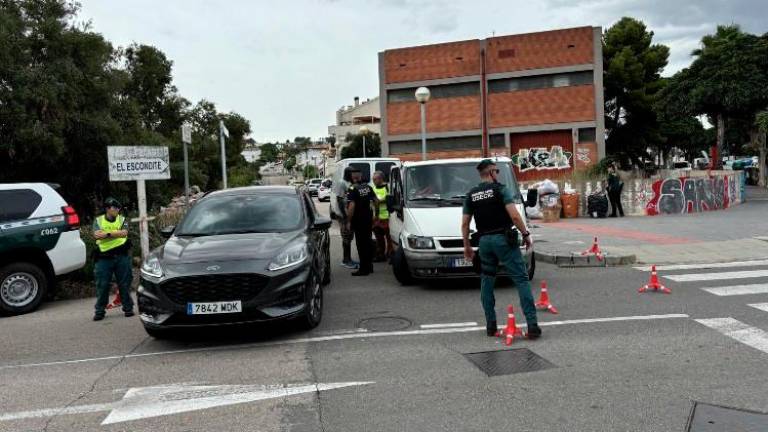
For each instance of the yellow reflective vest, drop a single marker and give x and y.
(381, 194)
(107, 226)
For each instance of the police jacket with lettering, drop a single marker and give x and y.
(362, 195)
(487, 203)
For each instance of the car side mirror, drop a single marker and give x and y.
(167, 232)
(322, 223)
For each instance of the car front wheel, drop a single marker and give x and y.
(313, 312)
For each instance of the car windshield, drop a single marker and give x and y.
(238, 214)
(447, 184)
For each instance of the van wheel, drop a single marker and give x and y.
(22, 288)
(400, 267)
(532, 267)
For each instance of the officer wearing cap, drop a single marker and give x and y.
(113, 257)
(360, 198)
(493, 207)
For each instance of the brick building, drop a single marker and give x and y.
(537, 96)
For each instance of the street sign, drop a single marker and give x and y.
(129, 163)
(186, 133)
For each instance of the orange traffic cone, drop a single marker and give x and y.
(594, 249)
(117, 302)
(654, 284)
(511, 330)
(543, 303)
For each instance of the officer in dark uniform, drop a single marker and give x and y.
(493, 207)
(360, 219)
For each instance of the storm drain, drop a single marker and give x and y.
(713, 418)
(495, 363)
(379, 324)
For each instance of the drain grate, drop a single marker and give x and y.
(495, 363)
(378, 324)
(714, 418)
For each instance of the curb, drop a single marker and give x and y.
(574, 259)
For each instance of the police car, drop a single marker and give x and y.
(39, 240)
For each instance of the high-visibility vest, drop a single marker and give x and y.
(107, 226)
(381, 194)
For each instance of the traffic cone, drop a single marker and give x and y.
(543, 303)
(654, 284)
(511, 330)
(594, 249)
(117, 302)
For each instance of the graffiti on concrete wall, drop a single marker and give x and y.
(690, 195)
(540, 158)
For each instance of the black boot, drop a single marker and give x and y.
(534, 332)
(491, 329)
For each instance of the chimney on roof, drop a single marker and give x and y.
(357, 100)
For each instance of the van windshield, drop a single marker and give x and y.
(447, 184)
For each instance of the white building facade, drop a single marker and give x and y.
(350, 118)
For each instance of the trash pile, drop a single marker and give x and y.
(547, 206)
(177, 203)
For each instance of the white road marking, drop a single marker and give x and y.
(736, 329)
(738, 290)
(335, 338)
(695, 277)
(448, 325)
(751, 263)
(156, 401)
(761, 306)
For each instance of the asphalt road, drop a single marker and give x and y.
(620, 360)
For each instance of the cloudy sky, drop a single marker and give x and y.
(288, 65)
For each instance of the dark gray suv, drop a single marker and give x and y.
(239, 256)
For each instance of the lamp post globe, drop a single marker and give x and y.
(422, 95)
(364, 132)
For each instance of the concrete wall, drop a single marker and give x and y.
(674, 193)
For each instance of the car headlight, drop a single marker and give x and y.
(151, 267)
(291, 256)
(419, 242)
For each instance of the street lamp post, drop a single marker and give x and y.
(422, 97)
(364, 133)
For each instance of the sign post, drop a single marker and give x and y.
(139, 163)
(186, 139)
(223, 132)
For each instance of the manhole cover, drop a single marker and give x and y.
(384, 324)
(495, 363)
(713, 418)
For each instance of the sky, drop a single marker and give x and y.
(288, 65)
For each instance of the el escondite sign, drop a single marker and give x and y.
(128, 163)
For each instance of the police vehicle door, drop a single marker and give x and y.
(398, 203)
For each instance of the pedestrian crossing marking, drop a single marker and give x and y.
(735, 329)
(761, 306)
(751, 263)
(696, 277)
(738, 290)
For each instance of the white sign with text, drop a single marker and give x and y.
(128, 163)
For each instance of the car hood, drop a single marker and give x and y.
(231, 247)
(440, 221)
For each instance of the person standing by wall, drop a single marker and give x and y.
(113, 257)
(381, 219)
(360, 220)
(493, 207)
(615, 185)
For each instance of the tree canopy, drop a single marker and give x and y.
(354, 147)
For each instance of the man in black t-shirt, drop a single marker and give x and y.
(360, 197)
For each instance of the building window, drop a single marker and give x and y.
(437, 92)
(496, 141)
(437, 144)
(540, 82)
(587, 135)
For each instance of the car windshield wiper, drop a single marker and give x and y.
(426, 198)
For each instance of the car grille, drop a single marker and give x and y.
(214, 287)
(456, 243)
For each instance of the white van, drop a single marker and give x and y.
(367, 167)
(427, 199)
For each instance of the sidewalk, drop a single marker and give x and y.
(725, 235)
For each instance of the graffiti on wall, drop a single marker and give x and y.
(540, 158)
(690, 195)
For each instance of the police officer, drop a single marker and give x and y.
(113, 257)
(381, 218)
(347, 235)
(359, 198)
(493, 207)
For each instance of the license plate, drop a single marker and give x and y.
(460, 262)
(221, 307)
